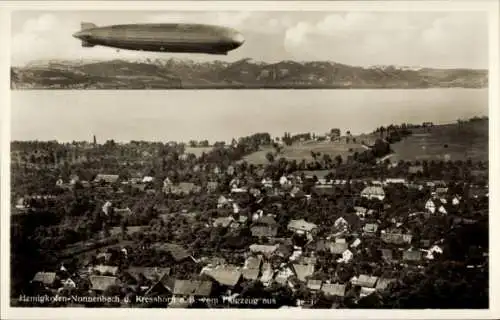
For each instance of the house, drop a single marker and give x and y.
(192, 288)
(364, 281)
(415, 169)
(355, 243)
(104, 270)
(347, 256)
(334, 289)
(284, 181)
(223, 222)
(264, 226)
(314, 285)
(373, 192)
(442, 210)
(153, 274)
(432, 251)
(383, 283)
(387, 255)
(296, 255)
(266, 250)
(107, 178)
(370, 228)
(59, 182)
(68, 283)
(129, 230)
(324, 189)
(297, 192)
(302, 227)
(338, 248)
(425, 243)
(228, 276)
(267, 182)
(106, 208)
(308, 260)
(267, 274)
(102, 283)
(395, 238)
(284, 250)
(478, 192)
(413, 256)
(441, 192)
(362, 212)
(364, 292)
(251, 269)
(182, 188)
(341, 224)
(283, 275)
(238, 222)
(303, 271)
(395, 181)
(104, 257)
(430, 206)
(456, 200)
(212, 186)
(123, 211)
(47, 279)
(239, 190)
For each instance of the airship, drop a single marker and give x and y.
(163, 37)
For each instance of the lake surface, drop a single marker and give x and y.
(223, 114)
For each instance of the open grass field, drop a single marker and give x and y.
(441, 142)
(301, 151)
(445, 142)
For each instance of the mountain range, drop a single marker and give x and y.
(242, 74)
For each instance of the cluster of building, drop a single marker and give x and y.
(271, 260)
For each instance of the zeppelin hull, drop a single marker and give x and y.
(164, 38)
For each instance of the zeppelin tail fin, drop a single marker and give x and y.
(87, 25)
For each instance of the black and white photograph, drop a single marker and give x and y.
(293, 159)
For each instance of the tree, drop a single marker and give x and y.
(338, 160)
(270, 157)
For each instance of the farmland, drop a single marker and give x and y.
(445, 142)
(301, 151)
(468, 140)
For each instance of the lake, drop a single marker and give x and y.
(181, 115)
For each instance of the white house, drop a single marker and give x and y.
(430, 206)
(236, 208)
(267, 182)
(284, 180)
(346, 256)
(147, 179)
(395, 181)
(341, 223)
(59, 182)
(106, 207)
(373, 192)
(432, 251)
(442, 210)
(356, 243)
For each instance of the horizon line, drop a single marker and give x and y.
(153, 59)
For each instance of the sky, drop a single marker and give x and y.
(419, 39)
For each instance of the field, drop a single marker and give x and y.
(441, 142)
(301, 151)
(445, 142)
